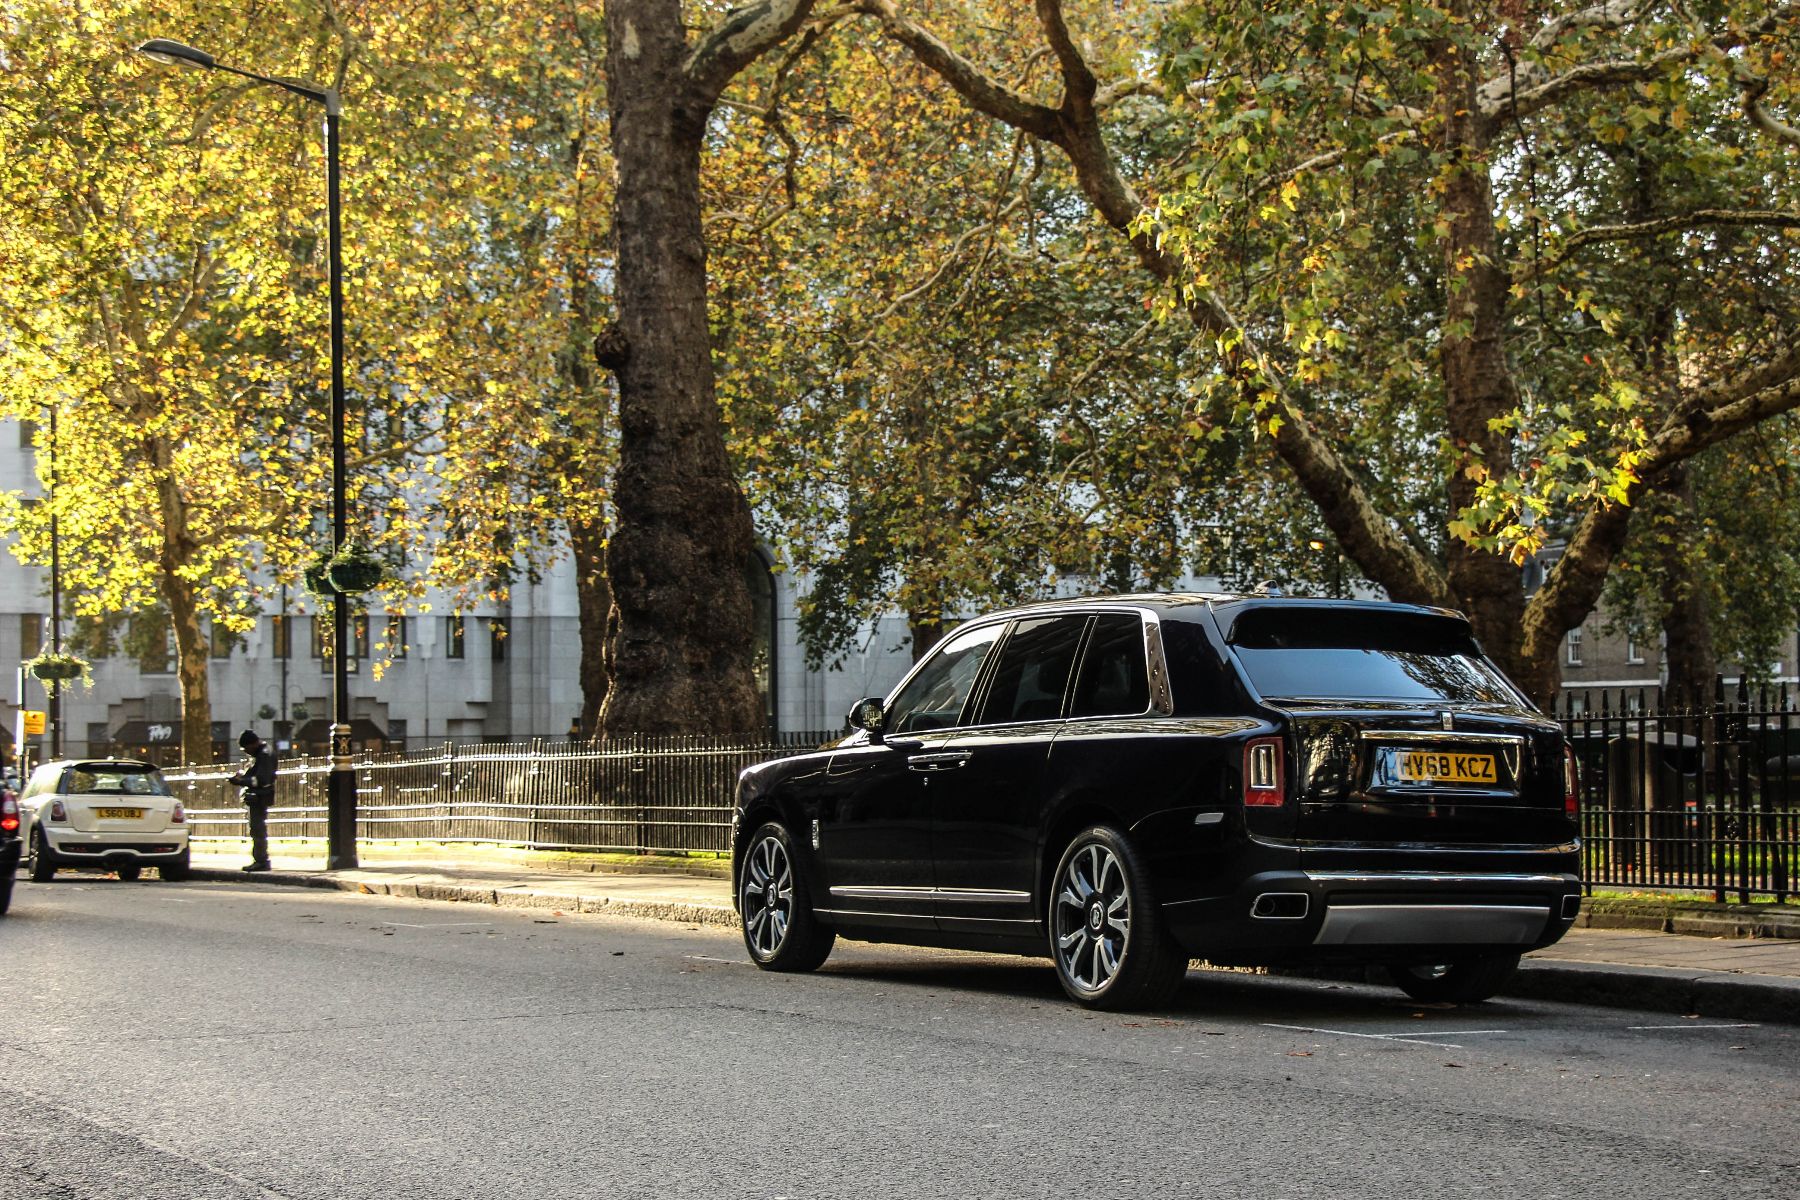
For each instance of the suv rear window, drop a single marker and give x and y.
(1334, 654)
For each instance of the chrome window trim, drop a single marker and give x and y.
(887, 701)
(1156, 667)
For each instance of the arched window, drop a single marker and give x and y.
(759, 577)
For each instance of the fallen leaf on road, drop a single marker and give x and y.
(1458, 1065)
(1299, 1053)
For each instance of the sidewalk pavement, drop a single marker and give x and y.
(1752, 979)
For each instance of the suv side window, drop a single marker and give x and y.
(1115, 681)
(1031, 677)
(934, 698)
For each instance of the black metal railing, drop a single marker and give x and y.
(1701, 800)
(1704, 799)
(639, 794)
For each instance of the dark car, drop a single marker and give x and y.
(1126, 783)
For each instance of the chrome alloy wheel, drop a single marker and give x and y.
(1093, 918)
(766, 897)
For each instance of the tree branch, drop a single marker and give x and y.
(1765, 120)
(987, 94)
(741, 37)
(1699, 219)
(1753, 393)
(1501, 99)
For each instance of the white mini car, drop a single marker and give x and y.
(105, 815)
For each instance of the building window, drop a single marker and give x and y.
(500, 631)
(453, 637)
(1634, 650)
(31, 635)
(27, 434)
(761, 581)
(1574, 658)
(99, 738)
(223, 640)
(1578, 706)
(359, 639)
(397, 734)
(281, 636)
(154, 643)
(395, 644)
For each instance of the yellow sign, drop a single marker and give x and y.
(1418, 766)
(34, 722)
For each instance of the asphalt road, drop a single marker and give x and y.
(226, 1040)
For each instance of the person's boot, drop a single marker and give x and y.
(256, 866)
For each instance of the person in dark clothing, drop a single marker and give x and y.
(258, 781)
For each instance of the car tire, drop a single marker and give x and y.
(130, 874)
(6, 887)
(1465, 981)
(780, 931)
(43, 862)
(1108, 939)
(175, 872)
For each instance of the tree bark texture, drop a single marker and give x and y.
(594, 604)
(1478, 387)
(191, 650)
(679, 659)
(1688, 655)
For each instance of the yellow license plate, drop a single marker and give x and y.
(119, 814)
(1437, 766)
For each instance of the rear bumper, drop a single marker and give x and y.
(75, 847)
(9, 856)
(1277, 917)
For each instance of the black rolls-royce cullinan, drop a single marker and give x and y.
(1126, 783)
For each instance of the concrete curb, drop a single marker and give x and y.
(519, 896)
(1714, 994)
(1693, 919)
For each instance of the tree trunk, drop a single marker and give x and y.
(679, 659)
(1687, 619)
(179, 597)
(927, 631)
(191, 660)
(594, 603)
(1477, 384)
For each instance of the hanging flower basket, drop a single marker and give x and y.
(299, 712)
(354, 569)
(316, 577)
(57, 668)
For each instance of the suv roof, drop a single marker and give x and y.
(1227, 604)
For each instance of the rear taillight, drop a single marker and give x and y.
(57, 811)
(1571, 783)
(1265, 776)
(179, 816)
(9, 815)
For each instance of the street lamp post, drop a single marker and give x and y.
(340, 827)
(55, 686)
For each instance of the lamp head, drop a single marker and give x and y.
(165, 51)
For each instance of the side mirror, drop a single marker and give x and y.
(869, 713)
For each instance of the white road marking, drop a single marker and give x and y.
(730, 962)
(435, 925)
(1387, 1037)
(1693, 1025)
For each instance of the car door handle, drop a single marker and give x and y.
(947, 760)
